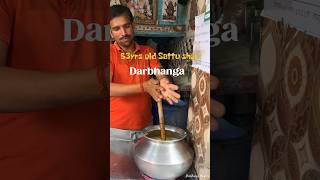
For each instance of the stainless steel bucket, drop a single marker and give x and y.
(163, 159)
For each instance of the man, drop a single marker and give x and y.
(130, 102)
(52, 123)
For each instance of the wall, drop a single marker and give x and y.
(287, 134)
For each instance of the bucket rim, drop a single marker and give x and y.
(182, 133)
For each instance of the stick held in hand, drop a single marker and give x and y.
(161, 118)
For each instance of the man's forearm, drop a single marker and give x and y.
(23, 91)
(117, 89)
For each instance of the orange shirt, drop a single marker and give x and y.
(63, 143)
(130, 112)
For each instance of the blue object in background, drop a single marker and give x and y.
(227, 131)
(174, 115)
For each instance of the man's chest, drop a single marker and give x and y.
(131, 70)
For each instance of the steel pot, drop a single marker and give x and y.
(160, 159)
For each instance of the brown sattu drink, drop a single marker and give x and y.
(169, 135)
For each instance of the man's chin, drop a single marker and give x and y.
(125, 45)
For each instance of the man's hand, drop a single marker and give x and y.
(168, 91)
(217, 109)
(152, 87)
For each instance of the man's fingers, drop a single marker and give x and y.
(173, 87)
(167, 98)
(157, 97)
(168, 91)
(157, 88)
(154, 81)
(170, 101)
(175, 100)
(158, 94)
(174, 95)
(164, 80)
(172, 98)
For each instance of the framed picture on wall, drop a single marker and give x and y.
(114, 2)
(169, 10)
(171, 13)
(144, 11)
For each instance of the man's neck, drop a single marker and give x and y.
(130, 49)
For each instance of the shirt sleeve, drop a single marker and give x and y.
(6, 19)
(111, 65)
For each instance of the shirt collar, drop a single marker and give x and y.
(136, 45)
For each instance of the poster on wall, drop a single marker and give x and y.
(201, 46)
(304, 15)
(144, 11)
(169, 10)
(114, 2)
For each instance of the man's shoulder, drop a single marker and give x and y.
(113, 48)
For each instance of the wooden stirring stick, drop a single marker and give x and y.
(161, 118)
